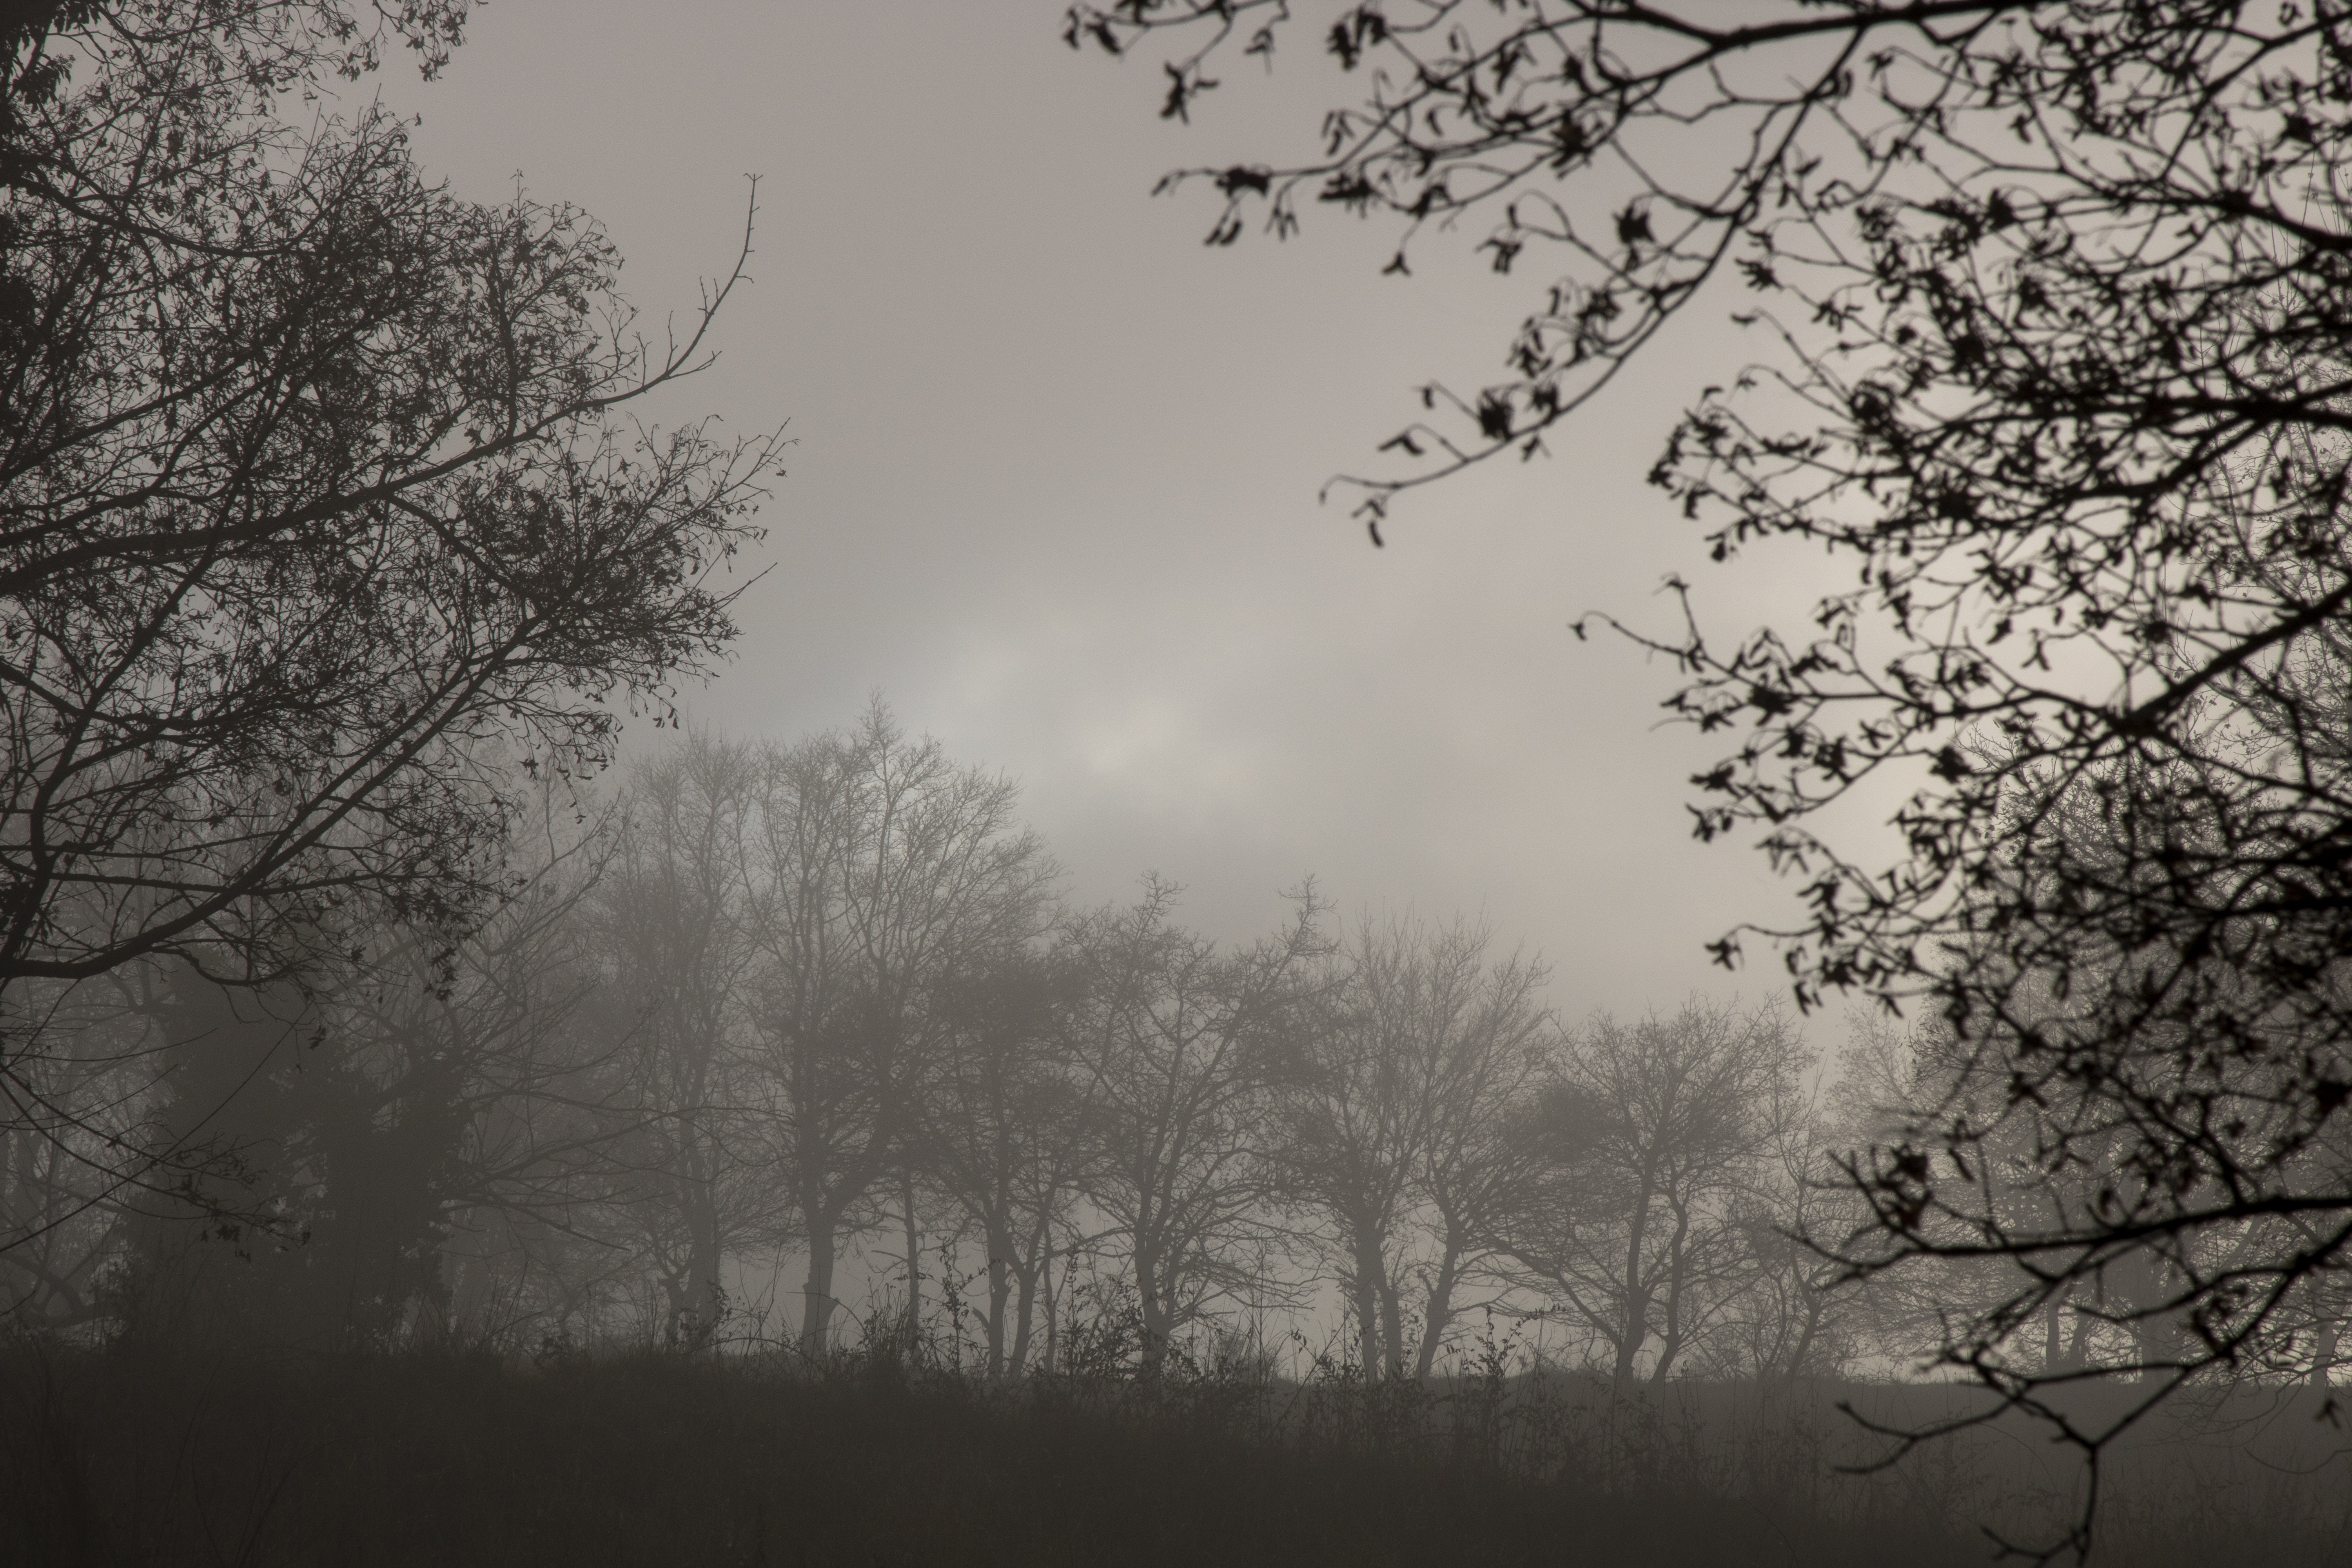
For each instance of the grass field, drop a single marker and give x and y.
(129, 1457)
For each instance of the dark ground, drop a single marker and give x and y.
(127, 1456)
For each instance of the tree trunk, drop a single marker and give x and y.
(1036, 1283)
(1392, 1327)
(2324, 1354)
(1000, 1296)
(1815, 1309)
(1670, 1349)
(471, 1285)
(1670, 1340)
(2157, 1336)
(705, 1297)
(914, 1259)
(1025, 1308)
(1628, 1349)
(1633, 1331)
(1370, 1269)
(817, 1298)
(1045, 1269)
(1158, 1324)
(1438, 1314)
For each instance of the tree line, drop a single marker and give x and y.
(790, 1000)
(795, 999)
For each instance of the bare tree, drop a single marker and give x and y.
(310, 485)
(350, 1121)
(1181, 1048)
(76, 1133)
(1797, 1310)
(356, 1150)
(676, 921)
(1656, 1138)
(1391, 1122)
(480, 1093)
(882, 871)
(1004, 1131)
(2062, 1253)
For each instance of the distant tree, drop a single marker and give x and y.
(1182, 1049)
(1795, 1311)
(518, 1021)
(216, 1254)
(1891, 1074)
(79, 1122)
(2057, 1256)
(1391, 1125)
(1654, 1141)
(675, 920)
(881, 872)
(330, 1155)
(1002, 1132)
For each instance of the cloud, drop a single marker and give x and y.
(1055, 490)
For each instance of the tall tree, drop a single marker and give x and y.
(882, 871)
(1795, 1312)
(78, 1130)
(676, 920)
(1003, 1132)
(1182, 1049)
(513, 1033)
(309, 1152)
(1656, 1137)
(1389, 1125)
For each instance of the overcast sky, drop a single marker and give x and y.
(1054, 494)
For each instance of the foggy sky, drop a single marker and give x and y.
(1054, 494)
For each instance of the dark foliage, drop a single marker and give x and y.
(263, 1119)
(312, 497)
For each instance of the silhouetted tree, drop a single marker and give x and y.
(1796, 1311)
(76, 1131)
(676, 917)
(331, 1153)
(882, 871)
(1391, 1126)
(321, 1162)
(1003, 1129)
(2055, 300)
(1654, 1141)
(511, 1035)
(1181, 1048)
(216, 1253)
(308, 483)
